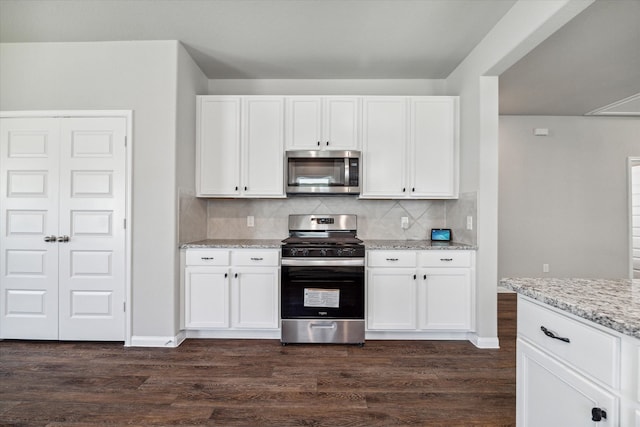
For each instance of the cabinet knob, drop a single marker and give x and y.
(245, 188)
(413, 190)
(318, 143)
(404, 190)
(327, 143)
(597, 414)
(424, 277)
(226, 275)
(236, 188)
(235, 275)
(415, 277)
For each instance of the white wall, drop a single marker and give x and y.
(327, 87)
(138, 76)
(564, 197)
(525, 25)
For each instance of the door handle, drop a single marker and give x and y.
(63, 238)
(51, 238)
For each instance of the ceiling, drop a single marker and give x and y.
(589, 63)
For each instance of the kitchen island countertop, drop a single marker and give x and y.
(614, 304)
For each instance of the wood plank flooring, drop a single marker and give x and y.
(261, 383)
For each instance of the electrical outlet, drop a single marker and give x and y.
(469, 222)
(250, 221)
(545, 268)
(404, 222)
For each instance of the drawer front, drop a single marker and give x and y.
(207, 257)
(391, 258)
(444, 258)
(250, 257)
(591, 350)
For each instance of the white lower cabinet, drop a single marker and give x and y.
(573, 372)
(232, 293)
(558, 396)
(424, 292)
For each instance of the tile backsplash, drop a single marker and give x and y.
(377, 219)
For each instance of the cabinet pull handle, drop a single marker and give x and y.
(415, 277)
(597, 414)
(446, 259)
(206, 258)
(235, 275)
(51, 238)
(327, 143)
(424, 277)
(413, 190)
(236, 188)
(318, 143)
(245, 188)
(226, 275)
(553, 335)
(392, 259)
(404, 190)
(256, 259)
(63, 238)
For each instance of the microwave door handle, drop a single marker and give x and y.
(346, 171)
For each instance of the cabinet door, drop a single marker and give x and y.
(304, 122)
(391, 299)
(206, 297)
(550, 394)
(263, 148)
(433, 147)
(28, 215)
(384, 146)
(218, 146)
(340, 123)
(255, 297)
(444, 298)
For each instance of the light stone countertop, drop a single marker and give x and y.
(234, 244)
(416, 245)
(369, 244)
(614, 304)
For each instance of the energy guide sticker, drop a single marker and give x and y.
(322, 298)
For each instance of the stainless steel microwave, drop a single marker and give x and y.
(322, 172)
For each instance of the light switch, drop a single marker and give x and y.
(250, 221)
(404, 222)
(469, 222)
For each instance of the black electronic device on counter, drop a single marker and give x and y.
(441, 234)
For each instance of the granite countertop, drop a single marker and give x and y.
(614, 304)
(234, 243)
(416, 245)
(369, 244)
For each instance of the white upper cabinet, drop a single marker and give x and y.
(410, 147)
(240, 145)
(323, 123)
(263, 147)
(384, 123)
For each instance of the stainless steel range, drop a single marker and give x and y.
(322, 281)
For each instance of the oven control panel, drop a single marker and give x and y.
(330, 251)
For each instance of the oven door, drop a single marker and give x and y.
(322, 288)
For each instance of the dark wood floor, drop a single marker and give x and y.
(261, 383)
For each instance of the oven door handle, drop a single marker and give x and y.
(325, 325)
(323, 262)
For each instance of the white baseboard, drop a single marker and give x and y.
(484, 342)
(158, 341)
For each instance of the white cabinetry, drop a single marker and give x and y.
(430, 293)
(240, 145)
(573, 371)
(232, 293)
(410, 147)
(323, 122)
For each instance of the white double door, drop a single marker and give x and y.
(62, 262)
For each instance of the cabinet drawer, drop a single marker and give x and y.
(391, 258)
(207, 257)
(257, 258)
(444, 258)
(591, 350)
